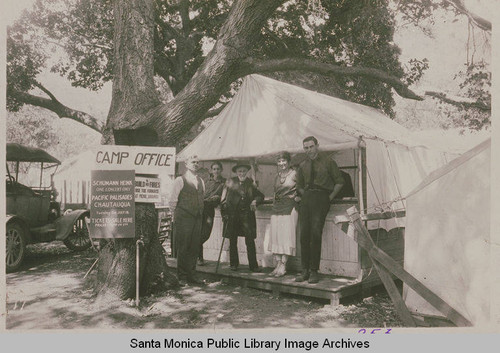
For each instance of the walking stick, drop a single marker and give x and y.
(221, 246)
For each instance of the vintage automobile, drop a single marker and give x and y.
(33, 215)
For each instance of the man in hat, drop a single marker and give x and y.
(240, 199)
(319, 180)
(187, 199)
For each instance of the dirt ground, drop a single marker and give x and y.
(49, 292)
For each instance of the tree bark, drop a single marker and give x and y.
(221, 67)
(57, 107)
(133, 95)
(479, 21)
(117, 260)
(250, 65)
(464, 104)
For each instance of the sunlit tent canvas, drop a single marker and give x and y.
(447, 240)
(267, 116)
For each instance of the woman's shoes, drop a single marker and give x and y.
(273, 273)
(281, 270)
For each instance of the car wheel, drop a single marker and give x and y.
(79, 239)
(15, 248)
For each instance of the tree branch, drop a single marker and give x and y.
(461, 104)
(479, 21)
(46, 91)
(55, 106)
(251, 65)
(215, 111)
(184, 12)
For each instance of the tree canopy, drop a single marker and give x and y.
(343, 48)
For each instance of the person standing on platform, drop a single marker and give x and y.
(281, 232)
(319, 180)
(239, 202)
(213, 192)
(187, 200)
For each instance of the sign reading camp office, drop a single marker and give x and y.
(144, 160)
(112, 207)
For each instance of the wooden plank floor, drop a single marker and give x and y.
(329, 287)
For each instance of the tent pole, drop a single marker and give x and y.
(254, 171)
(41, 175)
(362, 175)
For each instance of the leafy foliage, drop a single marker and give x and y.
(24, 63)
(33, 126)
(344, 32)
(341, 32)
(475, 84)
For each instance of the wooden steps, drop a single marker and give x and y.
(330, 287)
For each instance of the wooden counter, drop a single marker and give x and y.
(339, 254)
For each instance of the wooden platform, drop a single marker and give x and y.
(330, 287)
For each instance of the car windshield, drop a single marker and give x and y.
(30, 166)
(29, 174)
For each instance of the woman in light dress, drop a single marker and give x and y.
(284, 218)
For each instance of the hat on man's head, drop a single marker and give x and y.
(242, 163)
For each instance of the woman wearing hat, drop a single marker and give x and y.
(282, 230)
(240, 199)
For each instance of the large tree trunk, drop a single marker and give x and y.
(166, 124)
(133, 96)
(236, 39)
(133, 92)
(117, 260)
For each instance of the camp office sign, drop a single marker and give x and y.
(144, 160)
(116, 186)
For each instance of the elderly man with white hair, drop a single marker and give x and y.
(187, 199)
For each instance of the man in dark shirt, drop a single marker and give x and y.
(213, 192)
(319, 180)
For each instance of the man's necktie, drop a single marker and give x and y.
(312, 175)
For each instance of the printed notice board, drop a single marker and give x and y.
(112, 208)
(147, 189)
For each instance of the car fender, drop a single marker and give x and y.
(22, 222)
(64, 224)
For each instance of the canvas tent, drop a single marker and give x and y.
(267, 116)
(447, 238)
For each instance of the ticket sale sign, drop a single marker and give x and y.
(112, 207)
(144, 160)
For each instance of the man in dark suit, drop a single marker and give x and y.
(213, 192)
(187, 199)
(319, 180)
(240, 200)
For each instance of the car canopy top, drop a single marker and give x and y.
(19, 153)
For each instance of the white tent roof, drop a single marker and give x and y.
(447, 236)
(267, 116)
